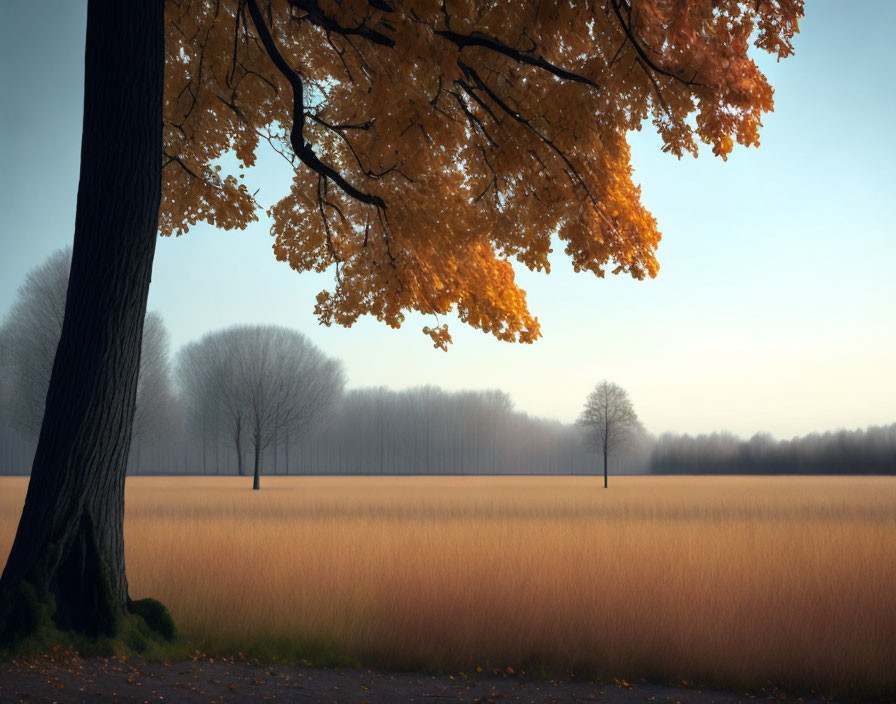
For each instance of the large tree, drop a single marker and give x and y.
(434, 142)
(609, 420)
(66, 566)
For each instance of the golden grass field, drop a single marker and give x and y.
(734, 582)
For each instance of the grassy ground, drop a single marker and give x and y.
(732, 582)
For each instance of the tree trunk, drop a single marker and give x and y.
(69, 547)
(217, 441)
(605, 469)
(239, 456)
(255, 484)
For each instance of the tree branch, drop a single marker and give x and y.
(523, 57)
(340, 130)
(302, 149)
(315, 15)
(626, 27)
(496, 99)
(171, 158)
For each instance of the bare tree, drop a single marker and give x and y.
(5, 377)
(156, 407)
(30, 335)
(609, 420)
(8, 438)
(263, 380)
(210, 400)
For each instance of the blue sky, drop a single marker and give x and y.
(773, 310)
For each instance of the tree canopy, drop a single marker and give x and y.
(437, 141)
(608, 418)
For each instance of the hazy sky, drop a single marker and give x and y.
(773, 309)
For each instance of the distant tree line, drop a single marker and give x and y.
(264, 400)
(427, 430)
(424, 430)
(869, 451)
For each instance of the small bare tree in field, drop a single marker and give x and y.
(609, 420)
(258, 381)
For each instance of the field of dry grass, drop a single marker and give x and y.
(736, 582)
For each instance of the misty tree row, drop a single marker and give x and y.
(264, 400)
(870, 451)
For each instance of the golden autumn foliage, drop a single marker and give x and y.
(434, 141)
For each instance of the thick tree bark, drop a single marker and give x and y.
(605, 469)
(69, 548)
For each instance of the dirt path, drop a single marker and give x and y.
(70, 679)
